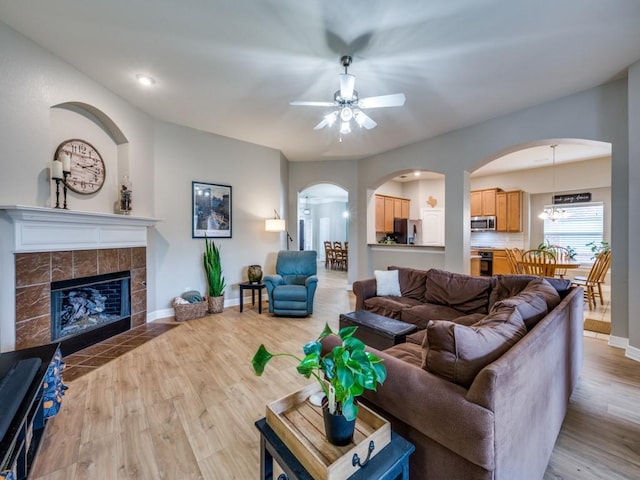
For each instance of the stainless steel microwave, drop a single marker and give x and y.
(483, 224)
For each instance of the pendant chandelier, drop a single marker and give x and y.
(551, 212)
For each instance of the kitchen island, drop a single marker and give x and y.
(408, 255)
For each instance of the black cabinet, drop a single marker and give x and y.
(20, 442)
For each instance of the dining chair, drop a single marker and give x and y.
(514, 258)
(562, 256)
(328, 254)
(593, 283)
(538, 262)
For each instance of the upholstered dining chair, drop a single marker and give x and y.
(291, 291)
(538, 262)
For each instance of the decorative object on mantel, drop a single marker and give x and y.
(215, 280)
(58, 176)
(254, 272)
(432, 202)
(125, 196)
(84, 167)
(343, 374)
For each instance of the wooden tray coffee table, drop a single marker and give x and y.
(293, 434)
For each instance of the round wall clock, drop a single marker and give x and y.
(87, 172)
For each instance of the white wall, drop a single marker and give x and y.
(184, 155)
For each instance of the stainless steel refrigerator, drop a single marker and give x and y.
(408, 231)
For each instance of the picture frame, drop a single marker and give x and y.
(210, 210)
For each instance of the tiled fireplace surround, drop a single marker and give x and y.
(36, 271)
(48, 245)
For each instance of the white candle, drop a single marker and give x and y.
(56, 169)
(66, 161)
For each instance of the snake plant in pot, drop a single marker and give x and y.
(344, 373)
(215, 280)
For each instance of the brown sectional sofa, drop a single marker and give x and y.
(483, 387)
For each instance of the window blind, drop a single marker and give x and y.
(584, 224)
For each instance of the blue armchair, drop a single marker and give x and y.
(291, 291)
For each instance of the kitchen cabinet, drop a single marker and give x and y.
(388, 214)
(500, 263)
(475, 263)
(388, 208)
(483, 202)
(379, 213)
(509, 211)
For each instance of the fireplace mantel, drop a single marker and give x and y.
(39, 229)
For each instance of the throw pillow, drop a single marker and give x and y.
(458, 353)
(532, 307)
(387, 283)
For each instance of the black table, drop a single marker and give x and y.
(390, 463)
(253, 287)
(375, 330)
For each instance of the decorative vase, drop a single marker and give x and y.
(125, 196)
(339, 430)
(216, 304)
(254, 272)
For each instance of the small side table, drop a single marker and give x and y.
(390, 463)
(253, 287)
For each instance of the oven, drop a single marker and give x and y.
(486, 264)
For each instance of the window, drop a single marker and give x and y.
(583, 224)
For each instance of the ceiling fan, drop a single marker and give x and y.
(349, 106)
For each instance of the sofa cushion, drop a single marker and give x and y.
(465, 293)
(412, 282)
(543, 287)
(407, 352)
(420, 314)
(531, 306)
(418, 337)
(457, 352)
(391, 307)
(505, 286)
(387, 283)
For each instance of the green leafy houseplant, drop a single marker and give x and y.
(213, 268)
(598, 248)
(344, 373)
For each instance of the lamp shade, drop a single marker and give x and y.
(274, 225)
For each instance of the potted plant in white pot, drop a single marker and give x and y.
(344, 374)
(215, 280)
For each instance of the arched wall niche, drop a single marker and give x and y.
(81, 120)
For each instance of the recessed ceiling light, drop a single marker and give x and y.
(417, 174)
(145, 80)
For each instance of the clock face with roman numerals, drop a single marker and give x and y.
(87, 168)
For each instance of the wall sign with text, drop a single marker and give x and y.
(572, 198)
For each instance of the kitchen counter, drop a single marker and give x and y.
(422, 257)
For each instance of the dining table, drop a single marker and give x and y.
(549, 268)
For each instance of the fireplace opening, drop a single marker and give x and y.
(88, 310)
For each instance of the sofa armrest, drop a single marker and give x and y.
(364, 289)
(433, 406)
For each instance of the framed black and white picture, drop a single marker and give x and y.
(211, 212)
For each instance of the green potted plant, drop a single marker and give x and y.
(215, 280)
(343, 374)
(598, 248)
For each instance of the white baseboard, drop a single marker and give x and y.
(629, 351)
(164, 313)
(633, 353)
(618, 342)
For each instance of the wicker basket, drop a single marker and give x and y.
(190, 311)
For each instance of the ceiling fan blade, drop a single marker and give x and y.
(393, 100)
(364, 120)
(327, 120)
(347, 84)
(311, 104)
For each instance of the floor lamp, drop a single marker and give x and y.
(277, 224)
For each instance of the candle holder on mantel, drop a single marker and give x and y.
(64, 189)
(56, 174)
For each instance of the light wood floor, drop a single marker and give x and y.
(182, 406)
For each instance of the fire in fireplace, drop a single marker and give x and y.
(88, 310)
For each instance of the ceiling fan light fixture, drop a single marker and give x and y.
(345, 128)
(346, 114)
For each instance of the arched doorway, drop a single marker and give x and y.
(323, 215)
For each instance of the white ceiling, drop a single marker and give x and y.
(232, 67)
